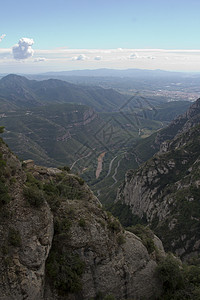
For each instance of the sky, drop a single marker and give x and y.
(59, 35)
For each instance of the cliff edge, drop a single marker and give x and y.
(58, 243)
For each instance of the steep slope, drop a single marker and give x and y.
(145, 149)
(138, 150)
(62, 134)
(165, 191)
(189, 119)
(49, 134)
(58, 243)
(19, 92)
(25, 233)
(16, 91)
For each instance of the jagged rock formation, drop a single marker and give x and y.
(165, 191)
(25, 233)
(144, 149)
(179, 125)
(58, 243)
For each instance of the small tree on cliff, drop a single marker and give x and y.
(1, 129)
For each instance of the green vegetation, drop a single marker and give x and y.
(51, 189)
(65, 186)
(62, 225)
(82, 223)
(34, 196)
(121, 239)
(185, 211)
(4, 195)
(170, 273)
(65, 168)
(124, 214)
(113, 223)
(68, 140)
(69, 186)
(64, 268)
(52, 195)
(179, 281)
(145, 234)
(55, 91)
(168, 111)
(1, 129)
(14, 237)
(33, 191)
(32, 181)
(80, 180)
(143, 150)
(176, 182)
(2, 165)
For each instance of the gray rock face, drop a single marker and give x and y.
(121, 268)
(115, 261)
(179, 125)
(26, 236)
(141, 191)
(165, 190)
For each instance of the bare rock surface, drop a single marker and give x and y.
(67, 220)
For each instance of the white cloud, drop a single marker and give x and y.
(98, 57)
(5, 51)
(23, 49)
(150, 57)
(2, 37)
(61, 59)
(39, 59)
(133, 56)
(80, 57)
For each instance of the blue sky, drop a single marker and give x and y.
(86, 25)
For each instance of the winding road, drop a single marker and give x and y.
(79, 159)
(115, 173)
(110, 166)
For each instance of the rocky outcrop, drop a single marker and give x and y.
(179, 125)
(58, 243)
(116, 262)
(88, 116)
(25, 235)
(165, 192)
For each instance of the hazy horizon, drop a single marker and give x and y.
(75, 35)
(106, 71)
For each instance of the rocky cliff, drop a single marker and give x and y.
(58, 243)
(165, 191)
(179, 125)
(144, 149)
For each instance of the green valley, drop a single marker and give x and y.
(56, 123)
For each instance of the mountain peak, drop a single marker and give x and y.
(13, 80)
(13, 77)
(194, 109)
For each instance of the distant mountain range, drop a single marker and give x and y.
(121, 73)
(104, 72)
(19, 92)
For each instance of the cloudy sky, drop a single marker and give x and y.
(57, 35)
